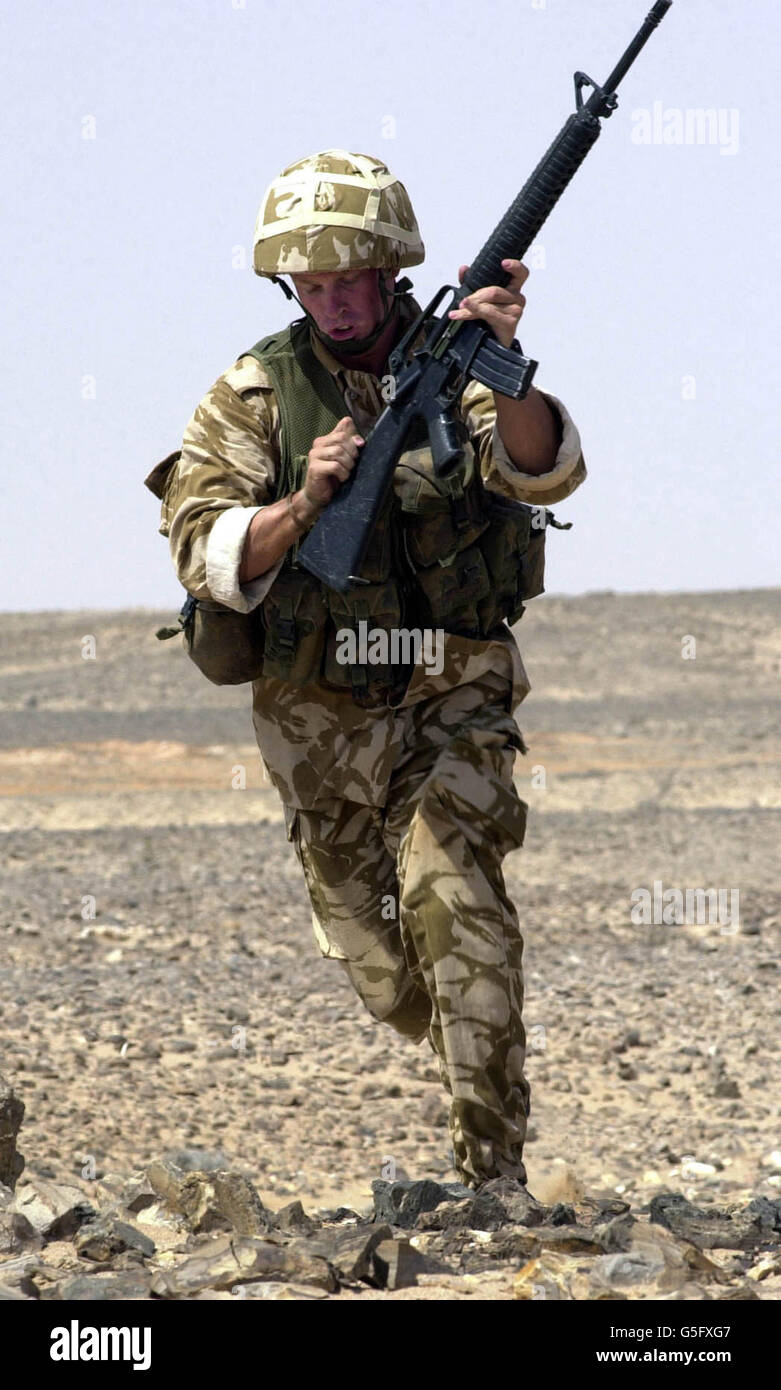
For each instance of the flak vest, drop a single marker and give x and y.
(445, 554)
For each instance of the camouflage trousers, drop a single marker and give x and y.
(410, 898)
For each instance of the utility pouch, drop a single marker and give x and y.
(506, 547)
(226, 646)
(439, 516)
(365, 649)
(514, 551)
(452, 593)
(294, 617)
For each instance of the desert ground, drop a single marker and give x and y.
(162, 990)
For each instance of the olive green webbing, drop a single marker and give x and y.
(309, 401)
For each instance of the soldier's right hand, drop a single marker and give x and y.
(332, 458)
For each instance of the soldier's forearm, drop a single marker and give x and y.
(529, 430)
(272, 531)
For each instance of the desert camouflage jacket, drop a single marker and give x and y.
(317, 744)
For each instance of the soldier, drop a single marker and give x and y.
(396, 777)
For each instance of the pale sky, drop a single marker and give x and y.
(138, 140)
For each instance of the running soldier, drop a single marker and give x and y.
(396, 774)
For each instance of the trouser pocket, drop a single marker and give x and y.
(320, 914)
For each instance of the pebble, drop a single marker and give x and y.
(690, 1168)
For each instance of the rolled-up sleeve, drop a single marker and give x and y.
(498, 470)
(224, 549)
(227, 472)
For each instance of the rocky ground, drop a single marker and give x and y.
(210, 1113)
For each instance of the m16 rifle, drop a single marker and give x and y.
(457, 351)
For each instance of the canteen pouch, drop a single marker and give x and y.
(226, 646)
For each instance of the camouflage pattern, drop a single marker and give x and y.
(316, 743)
(412, 805)
(335, 211)
(410, 898)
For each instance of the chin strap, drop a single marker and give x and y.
(355, 347)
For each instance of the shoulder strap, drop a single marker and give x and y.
(310, 403)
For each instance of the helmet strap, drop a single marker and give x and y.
(354, 346)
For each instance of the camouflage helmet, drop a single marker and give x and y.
(335, 211)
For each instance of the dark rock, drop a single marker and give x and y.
(724, 1088)
(562, 1215)
(397, 1265)
(528, 1244)
(464, 1216)
(349, 1251)
(569, 1240)
(596, 1209)
(230, 1196)
(213, 1201)
(11, 1116)
(338, 1214)
(294, 1218)
(18, 1274)
(104, 1287)
(226, 1262)
(55, 1210)
(500, 1202)
(108, 1236)
(521, 1208)
(763, 1213)
(663, 1150)
(658, 1261)
(17, 1234)
(616, 1234)
(138, 1194)
(707, 1230)
(400, 1203)
(166, 1180)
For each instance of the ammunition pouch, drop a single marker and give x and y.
(513, 548)
(294, 616)
(362, 644)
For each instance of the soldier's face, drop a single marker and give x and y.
(344, 303)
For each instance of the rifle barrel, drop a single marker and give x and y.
(652, 20)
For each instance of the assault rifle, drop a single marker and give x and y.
(457, 350)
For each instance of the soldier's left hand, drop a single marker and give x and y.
(500, 307)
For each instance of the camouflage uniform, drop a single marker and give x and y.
(400, 816)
